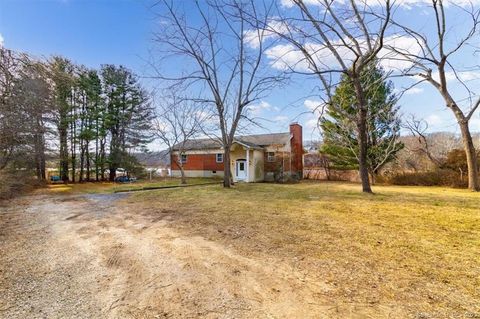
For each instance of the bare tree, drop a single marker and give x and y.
(24, 112)
(34, 101)
(10, 63)
(318, 160)
(221, 44)
(418, 129)
(433, 61)
(335, 38)
(178, 120)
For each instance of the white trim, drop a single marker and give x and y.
(181, 158)
(248, 164)
(240, 143)
(197, 173)
(268, 157)
(247, 146)
(245, 170)
(201, 152)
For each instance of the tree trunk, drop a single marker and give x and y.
(73, 133)
(473, 183)
(37, 157)
(373, 177)
(227, 178)
(362, 156)
(96, 146)
(112, 173)
(182, 174)
(88, 160)
(362, 137)
(102, 159)
(114, 155)
(82, 160)
(63, 154)
(327, 172)
(74, 159)
(42, 170)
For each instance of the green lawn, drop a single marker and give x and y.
(417, 248)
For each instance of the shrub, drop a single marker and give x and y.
(16, 183)
(286, 177)
(440, 177)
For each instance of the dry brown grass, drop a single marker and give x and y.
(13, 184)
(410, 248)
(109, 187)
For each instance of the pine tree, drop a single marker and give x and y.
(339, 131)
(128, 116)
(90, 89)
(61, 73)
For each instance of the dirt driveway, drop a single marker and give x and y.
(84, 256)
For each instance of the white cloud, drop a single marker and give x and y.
(314, 106)
(414, 90)
(205, 117)
(281, 119)
(254, 36)
(434, 120)
(463, 76)
(475, 124)
(408, 4)
(450, 76)
(392, 61)
(286, 56)
(311, 125)
(1, 40)
(256, 109)
(411, 3)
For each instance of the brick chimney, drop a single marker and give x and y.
(296, 145)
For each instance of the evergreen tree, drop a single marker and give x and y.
(128, 116)
(90, 99)
(61, 74)
(383, 123)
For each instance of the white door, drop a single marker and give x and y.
(241, 170)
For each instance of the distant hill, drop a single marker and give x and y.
(154, 159)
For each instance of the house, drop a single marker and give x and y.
(253, 158)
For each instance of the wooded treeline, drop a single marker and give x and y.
(85, 120)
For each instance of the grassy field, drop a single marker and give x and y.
(108, 187)
(414, 248)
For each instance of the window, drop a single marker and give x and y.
(219, 158)
(271, 156)
(183, 158)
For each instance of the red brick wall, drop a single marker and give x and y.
(296, 144)
(195, 162)
(281, 159)
(285, 158)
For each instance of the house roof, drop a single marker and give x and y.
(198, 144)
(266, 139)
(251, 141)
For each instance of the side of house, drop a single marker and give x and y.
(253, 158)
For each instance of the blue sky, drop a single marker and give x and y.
(95, 32)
